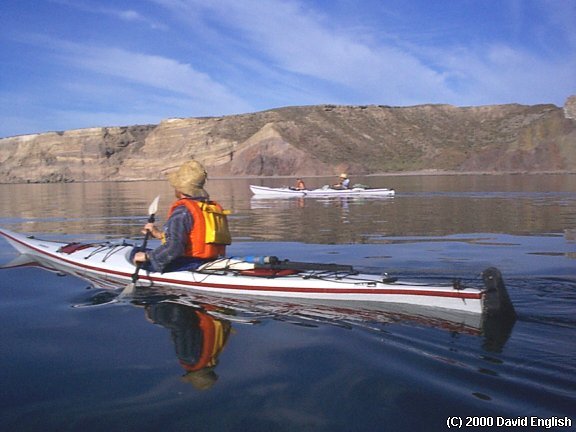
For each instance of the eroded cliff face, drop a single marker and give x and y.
(78, 155)
(315, 140)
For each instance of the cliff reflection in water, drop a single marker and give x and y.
(423, 206)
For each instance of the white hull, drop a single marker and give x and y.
(328, 192)
(275, 192)
(108, 262)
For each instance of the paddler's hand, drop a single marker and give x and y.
(140, 257)
(154, 231)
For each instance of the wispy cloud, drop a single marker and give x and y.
(292, 38)
(110, 86)
(154, 59)
(152, 70)
(128, 15)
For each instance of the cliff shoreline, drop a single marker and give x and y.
(309, 141)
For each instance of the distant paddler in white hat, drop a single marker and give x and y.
(343, 182)
(196, 230)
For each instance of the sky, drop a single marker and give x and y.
(69, 64)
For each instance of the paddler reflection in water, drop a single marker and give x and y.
(196, 230)
(198, 338)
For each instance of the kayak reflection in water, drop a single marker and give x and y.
(198, 338)
(196, 230)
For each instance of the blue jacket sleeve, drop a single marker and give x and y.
(176, 230)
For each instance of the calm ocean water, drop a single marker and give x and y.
(70, 363)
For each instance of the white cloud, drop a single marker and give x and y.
(105, 86)
(292, 39)
(128, 15)
(157, 72)
(227, 56)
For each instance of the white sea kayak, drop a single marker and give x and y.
(263, 191)
(108, 262)
(325, 191)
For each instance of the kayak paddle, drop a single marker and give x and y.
(151, 217)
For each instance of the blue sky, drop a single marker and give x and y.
(67, 64)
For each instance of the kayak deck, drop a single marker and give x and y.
(108, 262)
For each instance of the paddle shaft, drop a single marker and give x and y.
(151, 219)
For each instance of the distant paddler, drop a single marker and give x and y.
(300, 185)
(343, 182)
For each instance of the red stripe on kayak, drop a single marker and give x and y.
(390, 291)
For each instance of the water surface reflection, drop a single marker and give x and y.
(94, 368)
(423, 206)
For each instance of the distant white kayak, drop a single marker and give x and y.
(276, 192)
(325, 191)
(355, 191)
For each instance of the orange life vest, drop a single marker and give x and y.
(209, 235)
(214, 336)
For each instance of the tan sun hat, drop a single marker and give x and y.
(202, 379)
(189, 179)
(344, 175)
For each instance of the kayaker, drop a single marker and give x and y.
(196, 230)
(300, 185)
(343, 182)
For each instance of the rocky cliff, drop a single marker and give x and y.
(313, 140)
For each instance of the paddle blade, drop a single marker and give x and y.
(153, 209)
(127, 291)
